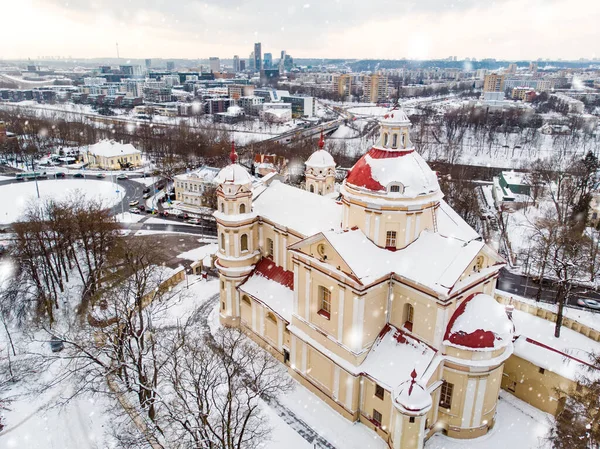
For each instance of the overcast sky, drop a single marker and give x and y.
(390, 29)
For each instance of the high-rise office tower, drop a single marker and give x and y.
(236, 63)
(258, 57)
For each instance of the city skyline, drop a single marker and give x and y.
(382, 29)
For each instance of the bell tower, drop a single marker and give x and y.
(320, 171)
(237, 231)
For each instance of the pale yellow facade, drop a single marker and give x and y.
(339, 320)
(112, 163)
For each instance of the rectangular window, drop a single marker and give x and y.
(390, 239)
(395, 189)
(542, 371)
(446, 395)
(377, 418)
(324, 302)
(411, 419)
(512, 386)
(270, 251)
(379, 391)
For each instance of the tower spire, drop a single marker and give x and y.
(322, 141)
(233, 155)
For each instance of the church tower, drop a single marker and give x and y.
(320, 171)
(237, 234)
(391, 193)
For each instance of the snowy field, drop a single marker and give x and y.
(17, 196)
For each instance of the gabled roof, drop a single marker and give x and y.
(433, 260)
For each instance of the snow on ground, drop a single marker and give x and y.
(282, 435)
(518, 425)
(156, 220)
(17, 196)
(372, 111)
(145, 181)
(199, 253)
(128, 217)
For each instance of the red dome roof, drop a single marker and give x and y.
(361, 175)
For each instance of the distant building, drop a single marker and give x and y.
(252, 105)
(216, 105)
(533, 67)
(242, 65)
(111, 155)
(268, 61)
(215, 64)
(148, 63)
(343, 85)
(251, 62)
(512, 68)
(375, 88)
(132, 70)
(493, 82)
(236, 63)
(268, 163)
(171, 65)
(236, 91)
(258, 63)
(234, 114)
(523, 93)
(301, 106)
(575, 106)
(190, 187)
(276, 112)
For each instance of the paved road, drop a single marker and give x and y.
(526, 287)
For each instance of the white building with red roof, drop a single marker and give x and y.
(378, 300)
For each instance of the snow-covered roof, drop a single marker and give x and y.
(233, 174)
(413, 397)
(395, 117)
(297, 209)
(567, 356)
(320, 159)
(273, 286)
(369, 262)
(379, 168)
(480, 322)
(110, 148)
(394, 355)
(450, 224)
(207, 174)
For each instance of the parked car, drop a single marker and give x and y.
(146, 190)
(591, 303)
(78, 175)
(194, 221)
(134, 203)
(59, 175)
(134, 210)
(147, 195)
(122, 176)
(150, 211)
(164, 213)
(56, 344)
(160, 187)
(141, 208)
(100, 175)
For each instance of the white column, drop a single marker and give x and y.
(479, 402)
(307, 297)
(236, 245)
(229, 307)
(440, 326)
(469, 399)
(349, 393)
(276, 249)
(336, 382)
(397, 431)
(227, 250)
(377, 225)
(296, 287)
(421, 441)
(279, 334)
(304, 357)
(340, 335)
(367, 223)
(284, 255)
(293, 354)
(358, 310)
(408, 229)
(254, 315)
(417, 224)
(261, 240)
(236, 301)
(261, 330)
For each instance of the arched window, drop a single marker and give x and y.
(223, 242)
(409, 316)
(242, 208)
(244, 242)
(395, 141)
(311, 189)
(269, 247)
(223, 207)
(478, 264)
(271, 317)
(403, 140)
(246, 300)
(385, 139)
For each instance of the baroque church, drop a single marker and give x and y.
(378, 298)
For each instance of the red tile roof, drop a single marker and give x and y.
(360, 175)
(267, 268)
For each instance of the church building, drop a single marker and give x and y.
(378, 298)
